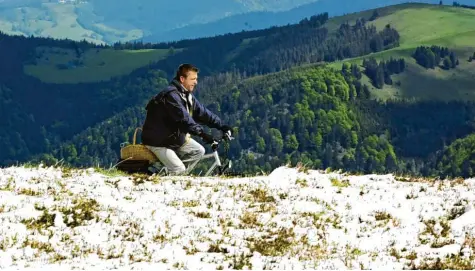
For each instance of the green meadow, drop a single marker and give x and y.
(62, 66)
(421, 24)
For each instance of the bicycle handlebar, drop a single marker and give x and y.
(225, 137)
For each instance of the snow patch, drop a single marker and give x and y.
(57, 219)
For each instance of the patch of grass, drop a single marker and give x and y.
(450, 262)
(380, 215)
(41, 246)
(334, 22)
(301, 182)
(412, 256)
(215, 247)
(8, 242)
(178, 265)
(29, 192)
(191, 203)
(249, 219)
(431, 234)
(112, 253)
(395, 253)
(339, 183)
(66, 172)
(202, 214)
(273, 244)
(56, 257)
(418, 25)
(83, 210)
(63, 66)
(241, 262)
(351, 254)
(159, 238)
(129, 231)
(440, 242)
(45, 221)
(412, 195)
(317, 220)
(261, 195)
(458, 209)
(10, 186)
(111, 172)
(283, 195)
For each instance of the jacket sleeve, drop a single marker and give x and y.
(205, 116)
(180, 115)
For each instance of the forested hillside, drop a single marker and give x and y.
(274, 85)
(37, 113)
(315, 115)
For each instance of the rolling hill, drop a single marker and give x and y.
(428, 25)
(109, 21)
(449, 26)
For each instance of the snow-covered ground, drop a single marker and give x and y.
(62, 219)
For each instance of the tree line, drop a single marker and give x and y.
(380, 73)
(288, 47)
(471, 57)
(457, 4)
(430, 57)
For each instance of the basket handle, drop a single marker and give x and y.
(135, 134)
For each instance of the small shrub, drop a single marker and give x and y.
(260, 195)
(274, 246)
(382, 216)
(337, 183)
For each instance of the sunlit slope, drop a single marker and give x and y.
(422, 24)
(64, 66)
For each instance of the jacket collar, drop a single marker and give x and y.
(179, 86)
(184, 93)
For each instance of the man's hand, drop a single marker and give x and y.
(227, 130)
(207, 138)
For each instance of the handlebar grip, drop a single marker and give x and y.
(214, 145)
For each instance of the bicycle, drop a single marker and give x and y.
(223, 165)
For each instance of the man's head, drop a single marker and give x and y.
(187, 75)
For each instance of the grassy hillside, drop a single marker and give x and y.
(418, 24)
(421, 24)
(63, 66)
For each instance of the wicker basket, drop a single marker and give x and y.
(137, 151)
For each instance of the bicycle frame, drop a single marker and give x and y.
(214, 154)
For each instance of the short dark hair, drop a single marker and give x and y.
(183, 70)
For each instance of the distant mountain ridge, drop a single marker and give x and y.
(108, 21)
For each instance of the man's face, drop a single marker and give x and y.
(190, 81)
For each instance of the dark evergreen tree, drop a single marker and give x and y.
(374, 16)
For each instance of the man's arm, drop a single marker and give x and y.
(205, 116)
(179, 114)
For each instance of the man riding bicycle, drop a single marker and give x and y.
(173, 116)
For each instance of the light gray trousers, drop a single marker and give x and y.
(173, 160)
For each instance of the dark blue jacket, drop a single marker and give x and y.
(168, 121)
